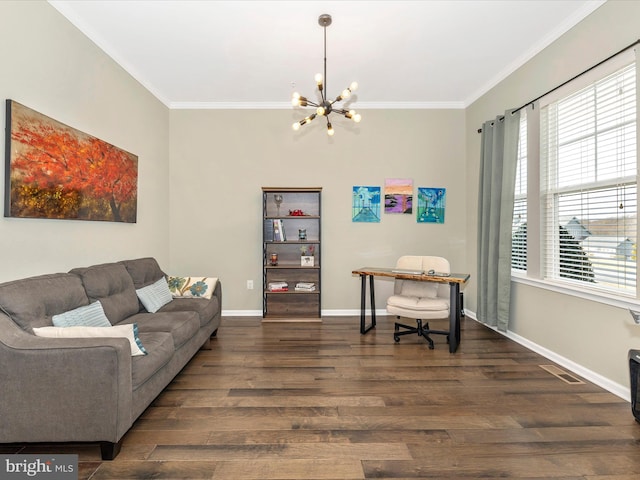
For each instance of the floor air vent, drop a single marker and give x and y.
(562, 375)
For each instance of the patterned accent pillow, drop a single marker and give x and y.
(192, 287)
(129, 331)
(91, 315)
(155, 296)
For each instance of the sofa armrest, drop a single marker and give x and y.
(67, 389)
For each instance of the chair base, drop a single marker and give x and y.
(421, 329)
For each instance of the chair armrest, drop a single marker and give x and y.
(63, 389)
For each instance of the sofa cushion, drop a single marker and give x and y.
(206, 309)
(160, 350)
(143, 271)
(155, 295)
(130, 332)
(181, 325)
(112, 285)
(31, 302)
(91, 315)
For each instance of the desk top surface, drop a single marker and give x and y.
(406, 275)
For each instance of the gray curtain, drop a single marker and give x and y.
(495, 215)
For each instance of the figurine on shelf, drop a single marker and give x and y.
(297, 213)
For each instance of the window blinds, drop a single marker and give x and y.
(519, 224)
(588, 185)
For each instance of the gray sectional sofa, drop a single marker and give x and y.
(92, 389)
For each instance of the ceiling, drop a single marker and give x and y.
(255, 54)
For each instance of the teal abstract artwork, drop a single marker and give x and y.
(365, 206)
(431, 204)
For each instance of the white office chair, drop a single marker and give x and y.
(420, 300)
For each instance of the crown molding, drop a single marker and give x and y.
(287, 106)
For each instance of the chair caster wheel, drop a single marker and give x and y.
(431, 346)
(396, 338)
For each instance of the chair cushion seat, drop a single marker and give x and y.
(419, 304)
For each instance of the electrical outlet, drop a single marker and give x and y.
(249, 284)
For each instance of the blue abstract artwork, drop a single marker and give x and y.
(431, 204)
(365, 206)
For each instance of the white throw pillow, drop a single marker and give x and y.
(88, 316)
(192, 287)
(155, 296)
(129, 331)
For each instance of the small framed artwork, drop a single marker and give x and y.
(365, 204)
(431, 205)
(307, 261)
(398, 195)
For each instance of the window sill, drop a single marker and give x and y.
(600, 297)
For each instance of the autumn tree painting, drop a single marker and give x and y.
(59, 172)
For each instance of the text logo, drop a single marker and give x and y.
(38, 467)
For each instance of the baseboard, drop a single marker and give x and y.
(325, 313)
(595, 378)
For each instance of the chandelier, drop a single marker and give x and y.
(325, 107)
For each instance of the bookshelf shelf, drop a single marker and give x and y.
(297, 212)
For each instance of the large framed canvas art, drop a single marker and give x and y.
(55, 171)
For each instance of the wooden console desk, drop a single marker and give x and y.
(455, 280)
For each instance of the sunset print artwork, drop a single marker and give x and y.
(398, 195)
(55, 171)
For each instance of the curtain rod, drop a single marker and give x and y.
(574, 77)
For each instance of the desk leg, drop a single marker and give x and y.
(454, 316)
(363, 303)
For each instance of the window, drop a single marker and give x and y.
(588, 162)
(519, 224)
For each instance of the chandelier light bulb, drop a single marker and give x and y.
(330, 130)
(346, 93)
(357, 117)
(320, 110)
(354, 86)
(318, 78)
(296, 126)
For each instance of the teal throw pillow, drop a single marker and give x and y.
(88, 316)
(155, 296)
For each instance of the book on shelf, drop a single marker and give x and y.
(278, 286)
(305, 287)
(278, 231)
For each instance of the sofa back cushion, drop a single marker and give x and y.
(112, 285)
(31, 302)
(143, 271)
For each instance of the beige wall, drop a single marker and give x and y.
(591, 334)
(211, 165)
(221, 159)
(49, 66)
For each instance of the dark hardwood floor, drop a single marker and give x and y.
(287, 401)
